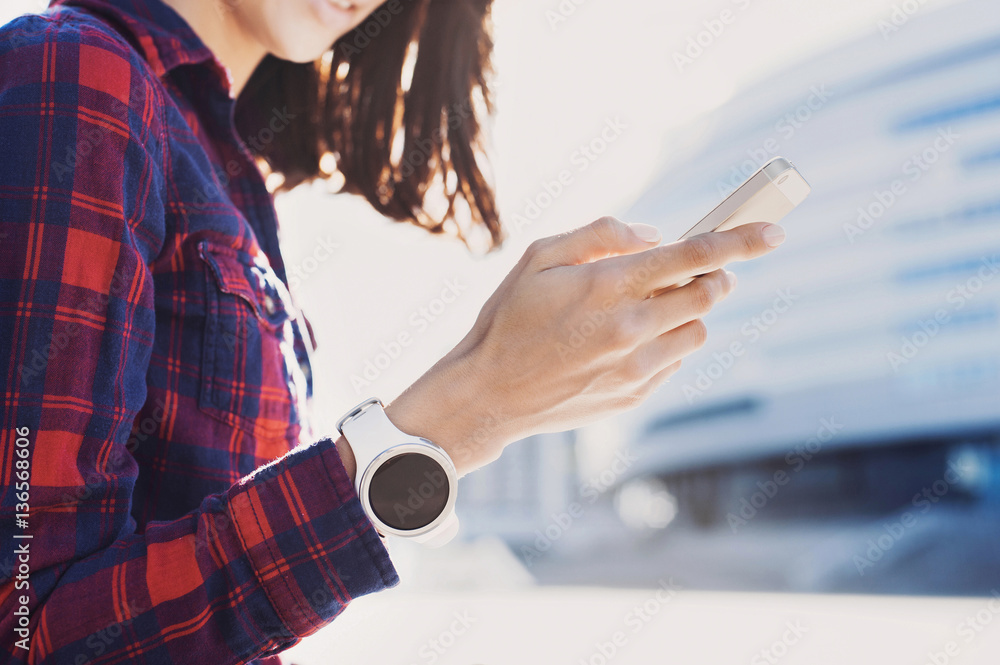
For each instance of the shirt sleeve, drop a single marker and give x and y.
(82, 214)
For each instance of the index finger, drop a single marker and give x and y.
(681, 261)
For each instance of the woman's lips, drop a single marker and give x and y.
(333, 12)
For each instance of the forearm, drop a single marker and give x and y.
(453, 405)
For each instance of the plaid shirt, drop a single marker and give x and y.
(155, 366)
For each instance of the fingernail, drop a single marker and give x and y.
(774, 235)
(646, 232)
(731, 276)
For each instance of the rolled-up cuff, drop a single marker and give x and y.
(312, 547)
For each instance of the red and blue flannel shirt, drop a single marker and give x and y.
(154, 362)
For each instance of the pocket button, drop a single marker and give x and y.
(269, 305)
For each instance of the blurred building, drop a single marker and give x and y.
(881, 310)
(517, 494)
(841, 428)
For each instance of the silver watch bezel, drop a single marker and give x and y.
(419, 446)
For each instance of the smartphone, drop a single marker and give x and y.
(766, 196)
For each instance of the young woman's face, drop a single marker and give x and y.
(301, 30)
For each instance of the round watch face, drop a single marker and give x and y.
(409, 491)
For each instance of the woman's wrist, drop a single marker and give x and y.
(452, 406)
(347, 457)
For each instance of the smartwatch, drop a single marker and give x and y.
(407, 484)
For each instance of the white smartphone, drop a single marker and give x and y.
(766, 196)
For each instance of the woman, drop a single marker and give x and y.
(156, 363)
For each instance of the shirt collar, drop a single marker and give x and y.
(162, 36)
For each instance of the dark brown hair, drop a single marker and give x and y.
(352, 103)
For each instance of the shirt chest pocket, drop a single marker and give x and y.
(251, 378)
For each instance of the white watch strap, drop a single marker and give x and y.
(442, 535)
(369, 433)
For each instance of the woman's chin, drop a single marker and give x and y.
(301, 52)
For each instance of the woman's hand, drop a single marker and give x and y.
(574, 334)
